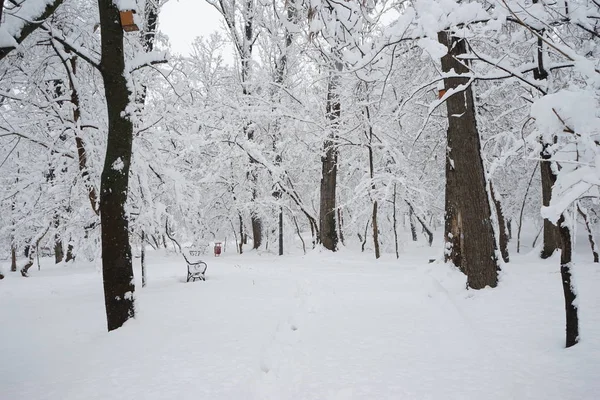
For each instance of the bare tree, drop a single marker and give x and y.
(117, 269)
(329, 164)
(469, 233)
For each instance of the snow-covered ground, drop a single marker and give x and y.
(320, 326)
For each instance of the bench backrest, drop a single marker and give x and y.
(193, 254)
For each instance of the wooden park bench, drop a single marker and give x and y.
(195, 266)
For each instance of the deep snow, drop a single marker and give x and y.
(320, 326)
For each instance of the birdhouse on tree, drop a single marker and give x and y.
(441, 89)
(127, 21)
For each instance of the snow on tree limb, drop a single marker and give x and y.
(21, 21)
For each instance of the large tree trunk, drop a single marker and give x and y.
(551, 232)
(469, 235)
(117, 267)
(572, 320)
(327, 209)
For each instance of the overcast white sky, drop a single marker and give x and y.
(184, 20)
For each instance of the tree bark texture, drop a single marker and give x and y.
(80, 144)
(502, 229)
(571, 317)
(242, 236)
(329, 159)
(375, 231)
(13, 258)
(413, 228)
(70, 255)
(32, 251)
(552, 238)
(340, 222)
(59, 253)
(280, 231)
(117, 269)
(469, 235)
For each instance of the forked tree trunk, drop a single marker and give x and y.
(117, 269)
(327, 210)
(424, 225)
(523, 209)
(70, 256)
(33, 249)
(299, 234)
(469, 234)
(571, 317)
(364, 241)
(588, 227)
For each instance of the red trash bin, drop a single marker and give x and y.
(218, 249)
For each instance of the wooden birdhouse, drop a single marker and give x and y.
(127, 21)
(441, 89)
